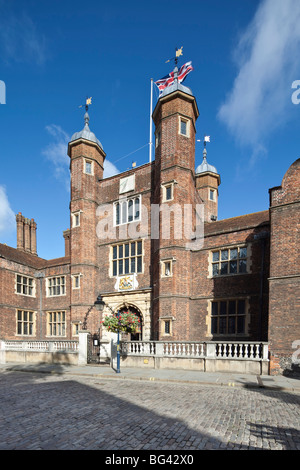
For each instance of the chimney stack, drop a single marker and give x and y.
(26, 234)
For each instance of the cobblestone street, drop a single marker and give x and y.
(40, 411)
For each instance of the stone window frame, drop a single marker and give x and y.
(90, 162)
(164, 321)
(74, 279)
(165, 186)
(21, 322)
(245, 315)
(187, 121)
(164, 264)
(54, 323)
(23, 286)
(113, 259)
(56, 285)
(76, 216)
(76, 324)
(236, 246)
(124, 202)
(213, 192)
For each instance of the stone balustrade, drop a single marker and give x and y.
(211, 356)
(212, 349)
(39, 351)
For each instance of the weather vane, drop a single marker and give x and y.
(205, 139)
(87, 104)
(178, 53)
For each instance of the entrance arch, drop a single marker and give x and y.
(138, 336)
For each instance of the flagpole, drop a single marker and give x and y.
(151, 105)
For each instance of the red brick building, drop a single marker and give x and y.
(149, 240)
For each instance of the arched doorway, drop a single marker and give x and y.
(138, 335)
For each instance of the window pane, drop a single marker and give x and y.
(243, 252)
(223, 308)
(115, 252)
(168, 193)
(215, 269)
(214, 308)
(224, 255)
(214, 325)
(19, 279)
(130, 211)
(114, 268)
(224, 268)
(233, 267)
(216, 255)
(88, 167)
(139, 264)
(167, 327)
(231, 325)
(137, 209)
(120, 266)
(132, 269)
(120, 251)
(124, 212)
(242, 266)
(183, 127)
(126, 250)
(233, 253)
(117, 214)
(132, 249)
(139, 248)
(231, 307)
(19, 328)
(240, 324)
(222, 325)
(241, 307)
(127, 266)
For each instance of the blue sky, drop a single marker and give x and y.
(53, 54)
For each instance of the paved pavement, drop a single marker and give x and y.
(57, 407)
(163, 375)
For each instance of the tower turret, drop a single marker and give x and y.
(86, 167)
(208, 181)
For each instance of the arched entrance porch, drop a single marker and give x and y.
(138, 335)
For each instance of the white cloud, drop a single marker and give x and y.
(7, 216)
(19, 38)
(268, 61)
(56, 153)
(109, 169)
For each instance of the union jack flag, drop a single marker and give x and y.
(169, 79)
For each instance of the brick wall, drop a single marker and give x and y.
(284, 308)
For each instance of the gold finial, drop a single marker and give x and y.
(178, 53)
(88, 102)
